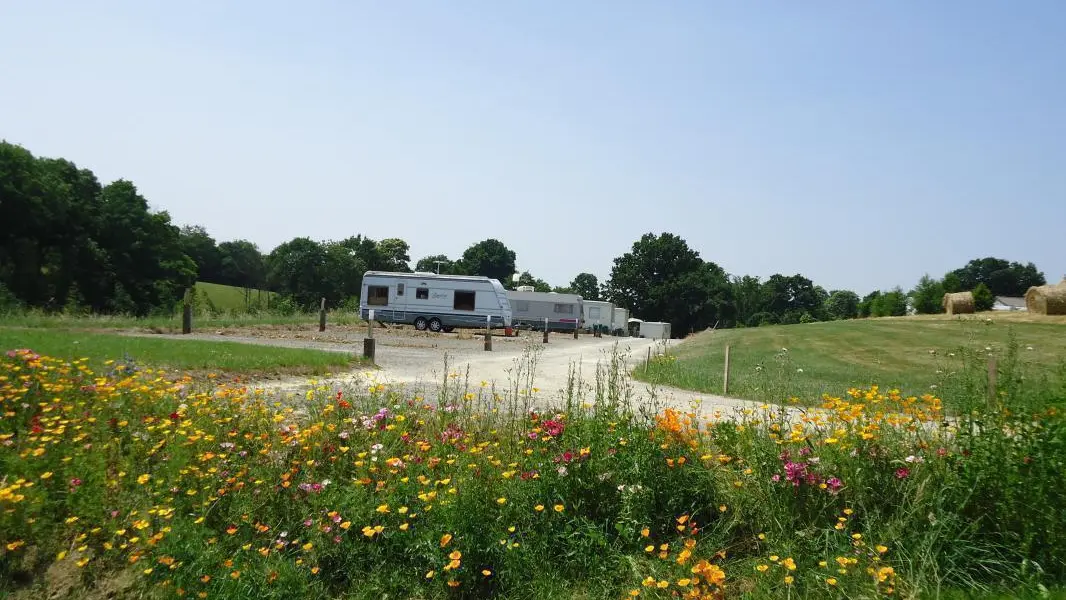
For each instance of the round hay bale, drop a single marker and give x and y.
(1047, 299)
(958, 303)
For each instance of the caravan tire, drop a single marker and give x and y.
(435, 325)
(449, 329)
(420, 323)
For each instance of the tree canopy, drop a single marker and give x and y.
(1002, 277)
(586, 285)
(488, 258)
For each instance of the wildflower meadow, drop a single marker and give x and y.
(198, 488)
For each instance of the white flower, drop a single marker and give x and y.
(799, 370)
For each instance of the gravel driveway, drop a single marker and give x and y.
(416, 360)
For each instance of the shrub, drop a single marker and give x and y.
(982, 298)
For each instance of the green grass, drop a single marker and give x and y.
(914, 354)
(211, 491)
(185, 355)
(170, 324)
(228, 297)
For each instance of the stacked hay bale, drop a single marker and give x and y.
(1047, 299)
(958, 303)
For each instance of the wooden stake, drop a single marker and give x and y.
(725, 376)
(186, 315)
(991, 379)
(322, 316)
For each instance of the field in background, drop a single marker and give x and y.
(914, 354)
(184, 355)
(232, 298)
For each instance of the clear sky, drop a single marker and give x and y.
(861, 144)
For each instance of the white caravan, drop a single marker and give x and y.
(620, 322)
(598, 314)
(563, 311)
(434, 302)
(655, 330)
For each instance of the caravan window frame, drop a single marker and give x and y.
(594, 312)
(472, 294)
(422, 293)
(399, 289)
(564, 309)
(374, 297)
(521, 305)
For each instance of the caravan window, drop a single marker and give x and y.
(564, 309)
(594, 312)
(399, 289)
(521, 305)
(422, 294)
(377, 295)
(464, 300)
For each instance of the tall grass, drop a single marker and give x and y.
(471, 491)
(172, 323)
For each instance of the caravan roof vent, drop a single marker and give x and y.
(525, 288)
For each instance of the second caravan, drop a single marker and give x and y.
(530, 309)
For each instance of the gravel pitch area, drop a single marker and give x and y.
(416, 360)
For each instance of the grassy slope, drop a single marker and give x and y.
(831, 357)
(192, 355)
(228, 297)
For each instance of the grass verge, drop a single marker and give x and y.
(214, 492)
(171, 324)
(916, 355)
(177, 354)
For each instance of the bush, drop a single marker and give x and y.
(982, 298)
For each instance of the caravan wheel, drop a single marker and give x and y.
(435, 325)
(420, 323)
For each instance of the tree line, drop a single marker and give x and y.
(69, 243)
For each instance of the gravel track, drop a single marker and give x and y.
(416, 361)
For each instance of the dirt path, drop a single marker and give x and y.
(418, 363)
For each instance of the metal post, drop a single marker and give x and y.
(322, 316)
(488, 333)
(725, 376)
(545, 330)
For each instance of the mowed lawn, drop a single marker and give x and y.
(177, 354)
(228, 297)
(914, 354)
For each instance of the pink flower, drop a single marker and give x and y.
(834, 485)
(902, 473)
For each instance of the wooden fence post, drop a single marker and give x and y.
(545, 330)
(186, 314)
(725, 376)
(991, 380)
(322, 316)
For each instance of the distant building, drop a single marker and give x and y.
(1009, 303)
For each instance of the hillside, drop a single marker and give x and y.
(912, 353)
(228, 297)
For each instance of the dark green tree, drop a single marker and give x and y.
(842, 304)
(866, 306)
(927, 296)
(663, 279)
(539, 285)
(295, 270)
(429, 264)
(242, 264)
(394, 254)
(202, 249)
(586, 285)
(488, 258)
(1002, 277)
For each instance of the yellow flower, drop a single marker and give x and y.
(445, 539)
(645, 532)
(143, 479)
(345, 525)
(788, 580)
(762, 568)
(430, 574)
(882, 549)
(501, 501)
(46, 475)
(538, 507)
(789, 564)
(486, 572)
(831, 580)
(384, 508)
(559, 508)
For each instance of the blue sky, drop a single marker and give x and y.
(861, 144)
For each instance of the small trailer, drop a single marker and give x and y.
(598, 314)
(529, 309)
(619, 322)
(655, 330)
(434, 302)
